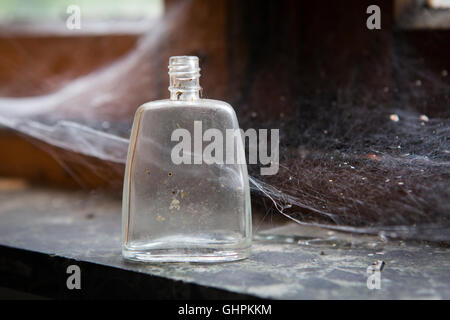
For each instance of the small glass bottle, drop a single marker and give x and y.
(194, 212)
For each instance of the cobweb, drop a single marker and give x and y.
(382, 171)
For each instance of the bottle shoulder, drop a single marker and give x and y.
(200, 103)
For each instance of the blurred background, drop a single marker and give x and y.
(363, 114)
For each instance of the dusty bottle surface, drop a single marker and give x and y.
(178, 204)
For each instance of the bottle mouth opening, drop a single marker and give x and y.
(184, 67)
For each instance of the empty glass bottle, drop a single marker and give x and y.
(183, 204)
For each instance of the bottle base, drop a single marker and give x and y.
(199, 255)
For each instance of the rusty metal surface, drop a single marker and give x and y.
(287, 263)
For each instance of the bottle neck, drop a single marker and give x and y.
(184, 73)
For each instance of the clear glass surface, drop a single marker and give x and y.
(183, 212)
